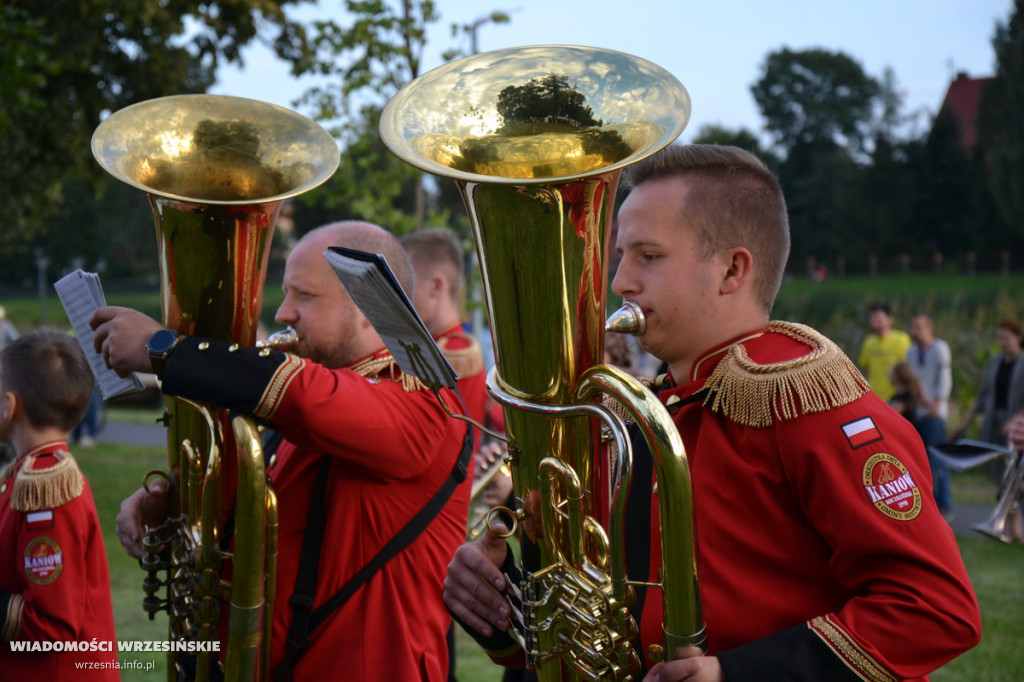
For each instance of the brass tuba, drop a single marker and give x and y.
(536, 139)
(217, 171)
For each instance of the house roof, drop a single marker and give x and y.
(962, 102)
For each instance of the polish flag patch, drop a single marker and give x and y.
(39, 520)
(861, 432)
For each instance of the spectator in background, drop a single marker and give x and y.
(907, 397)
(1002, 393)
(7, 335)
(882, 349)
(87, 430)
(8, 332)
(1000, 399)
(932, 362)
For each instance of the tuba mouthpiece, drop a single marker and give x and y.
(285, 340)
(629, 319)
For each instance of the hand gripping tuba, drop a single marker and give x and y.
(217, 170)
(536, 139)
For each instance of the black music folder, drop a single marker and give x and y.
(371, 283)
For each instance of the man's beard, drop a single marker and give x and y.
(340, 354)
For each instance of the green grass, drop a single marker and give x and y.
(114, 472)
(995, 571)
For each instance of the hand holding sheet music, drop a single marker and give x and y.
(374, 288)
(81, 293)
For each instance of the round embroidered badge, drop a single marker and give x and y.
(43, 561)
(891, 488)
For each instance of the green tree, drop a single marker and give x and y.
(816, 96)
(1000, 122)
(742, 138)
(361, 66)
(123, 53)
(66, 65)
(551, 100)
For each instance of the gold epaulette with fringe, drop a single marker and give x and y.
(467, 361)
(385, 367)
(48, 488)
(759, 396)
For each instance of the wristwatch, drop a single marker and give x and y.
(160, 345)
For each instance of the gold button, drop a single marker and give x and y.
(204, 345)
(232, 348)
(265, 352)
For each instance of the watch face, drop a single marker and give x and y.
(162, 341)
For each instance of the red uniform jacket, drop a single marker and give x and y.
(820, 547)
(54, 581)
(393, 449)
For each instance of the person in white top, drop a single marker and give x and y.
(931, 361)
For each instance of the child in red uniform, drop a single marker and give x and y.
(54, 581)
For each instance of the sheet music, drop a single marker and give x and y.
(81, 293)
(374, 288)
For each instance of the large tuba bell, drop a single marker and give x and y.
(536, 138)
(217, 171)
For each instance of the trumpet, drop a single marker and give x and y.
(1008, 501)
(962, 455)
(479, 511)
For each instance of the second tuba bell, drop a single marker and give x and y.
(535, 139)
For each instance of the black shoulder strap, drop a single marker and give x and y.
(305, 623)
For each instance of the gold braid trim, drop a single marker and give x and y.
(376, 369)
(761, 395)
(12, 619)
(49, 488)
(465, 361)
(855, 658)
(271, 398)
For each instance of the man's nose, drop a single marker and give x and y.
(621, 281)
(285, 313)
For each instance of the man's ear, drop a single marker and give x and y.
(438, 286)
(739, 264)
(11, 405)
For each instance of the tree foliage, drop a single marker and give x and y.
(66, 64)
(361, 65)
(1001, 123)
(742, 138)
(815, 96)
(551, 99)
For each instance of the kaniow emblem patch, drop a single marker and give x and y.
(44, 561)
(891, 488)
